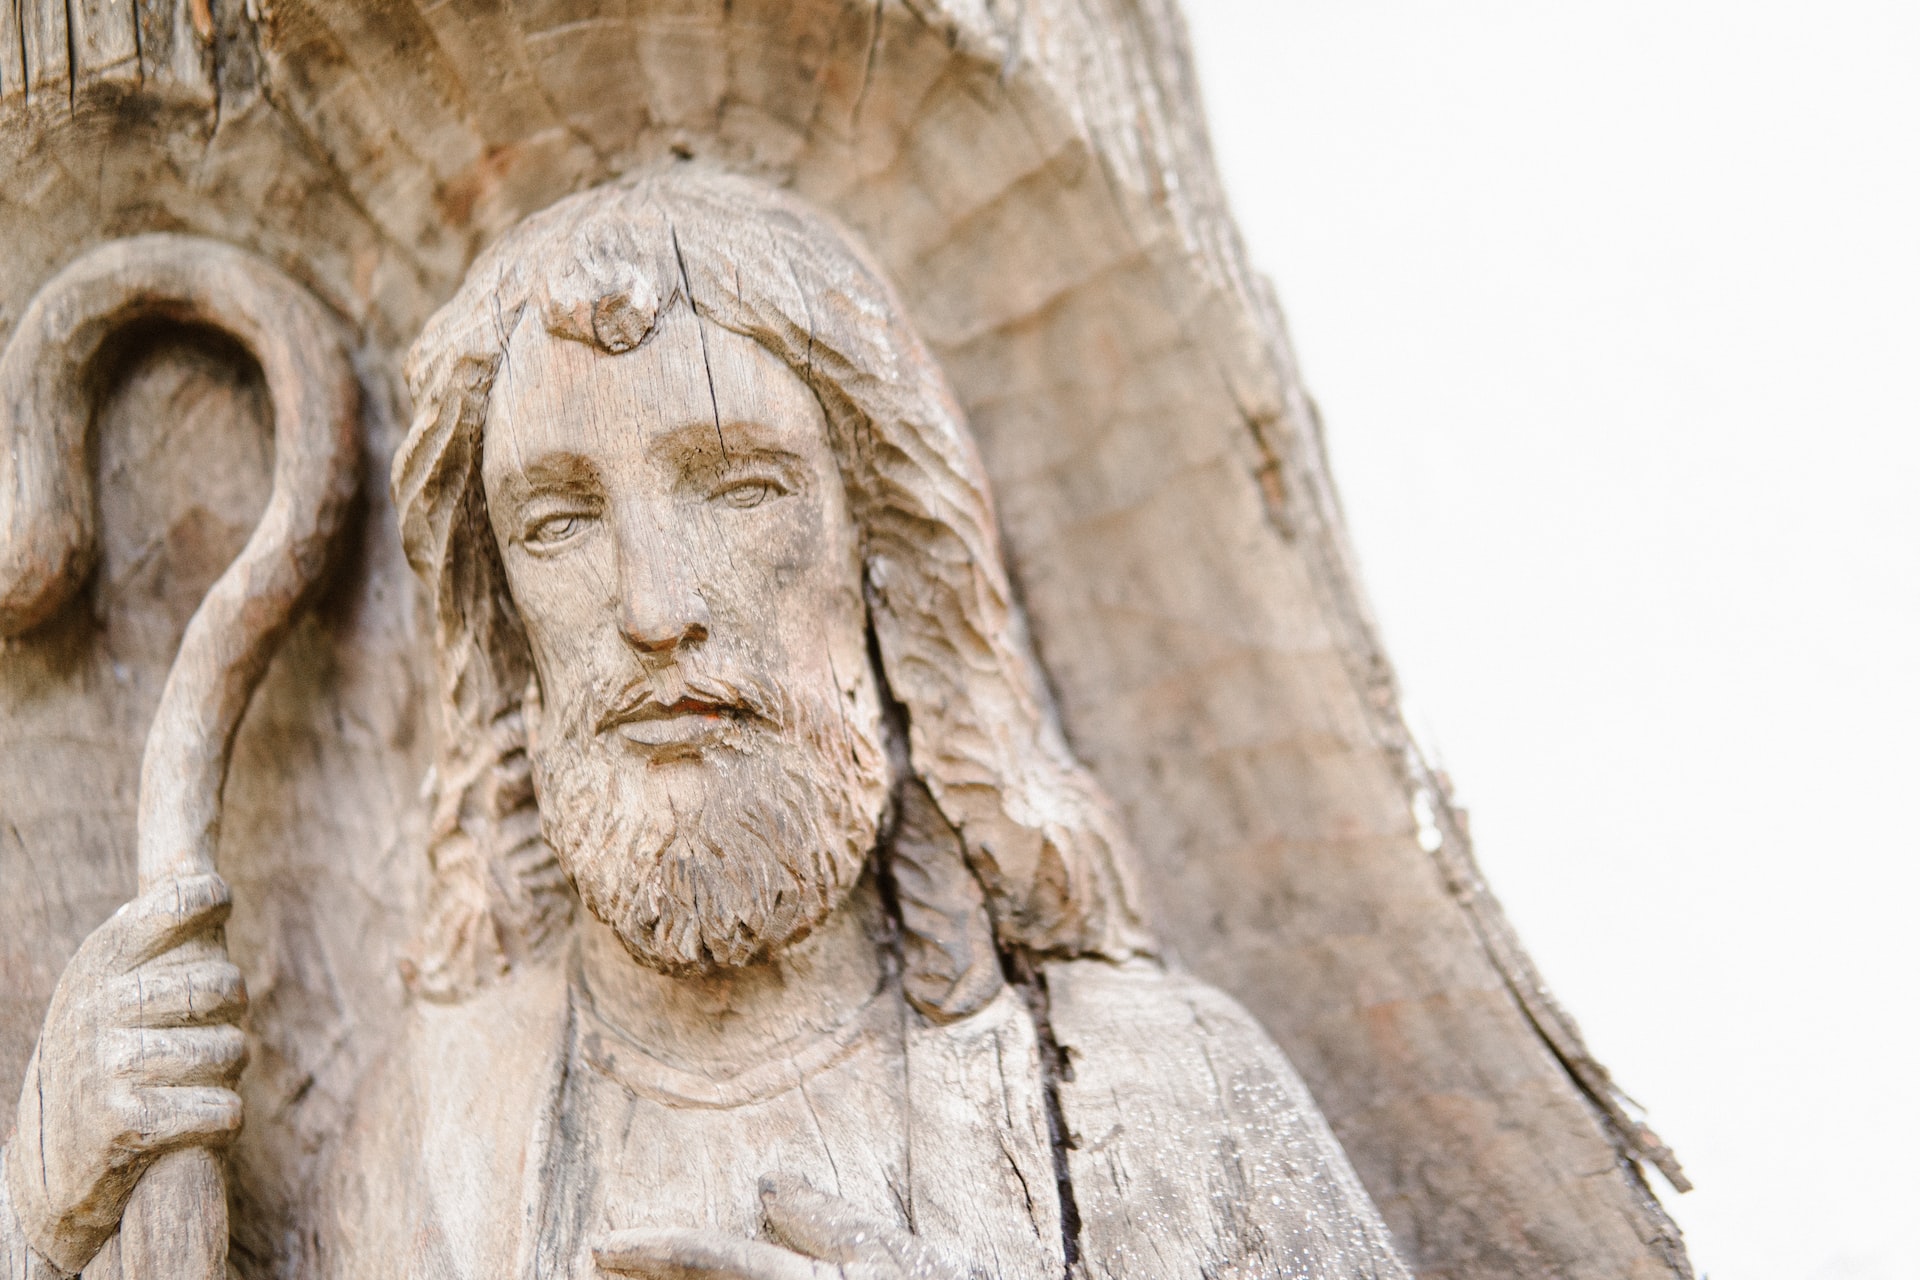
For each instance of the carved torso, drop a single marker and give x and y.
(650, 1137)
(653, 1145)
(1192, 1148)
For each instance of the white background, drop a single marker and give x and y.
(1613, 311)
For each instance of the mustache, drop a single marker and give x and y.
(682, 686)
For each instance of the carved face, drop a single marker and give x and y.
(677, 540)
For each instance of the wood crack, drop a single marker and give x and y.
(73, 62)
(1054, 1070)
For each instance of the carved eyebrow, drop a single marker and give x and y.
(696, 447)
(551, 471)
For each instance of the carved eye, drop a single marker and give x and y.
(749, 493)
(554, 530)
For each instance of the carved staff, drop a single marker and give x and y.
(175, 1225)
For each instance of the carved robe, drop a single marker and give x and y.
(1191, 1148)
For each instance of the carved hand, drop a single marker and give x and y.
(138, 1056)
(824, 1238)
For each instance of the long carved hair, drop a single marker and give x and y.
(997, 813)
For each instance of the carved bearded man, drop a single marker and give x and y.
(776, 932)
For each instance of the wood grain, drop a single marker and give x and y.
(1038, 185)
(176, 1221)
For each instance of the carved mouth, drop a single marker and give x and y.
(687, 721)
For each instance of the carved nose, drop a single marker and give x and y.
(663, 630)
(661, 605)
(661, 621)
(661, 639)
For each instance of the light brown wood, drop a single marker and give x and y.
(1035, 183)
(685, 487)
(103, 40)
(173, 1210)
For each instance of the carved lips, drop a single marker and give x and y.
(681, 709)
(686, 721)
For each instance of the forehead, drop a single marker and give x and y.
(556, 396)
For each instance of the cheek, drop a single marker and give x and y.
(789, 582)
(562, 603)
(792, 553)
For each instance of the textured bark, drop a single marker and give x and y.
(1035, 178)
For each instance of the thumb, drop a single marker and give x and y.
(165, 916)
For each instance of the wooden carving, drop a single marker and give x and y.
(717, 591)
(139, 1053)
(847, 746)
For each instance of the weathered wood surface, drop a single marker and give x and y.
(1035, 178)
(714, 569)
(177, 1219)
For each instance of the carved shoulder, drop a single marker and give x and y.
(1194, 1148)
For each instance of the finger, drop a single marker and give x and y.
(818, 1225)
(828, 1228)
(671, 1253)
(167, 915)
(184, 995)
(168, 1057)
(160, 1120)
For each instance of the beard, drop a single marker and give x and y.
(713, 858)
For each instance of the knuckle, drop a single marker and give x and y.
(227, 1045)
(146, 993)
(229, 985)
(145, 988)
(214, 1115)
(225, 1112)
(175, 903)
(197, 893)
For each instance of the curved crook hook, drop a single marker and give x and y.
(175, 1225)
(46, 394)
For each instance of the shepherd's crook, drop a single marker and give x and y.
(175, 1225)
